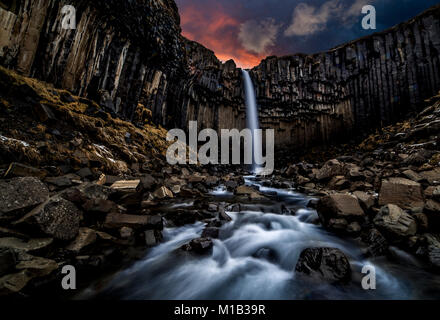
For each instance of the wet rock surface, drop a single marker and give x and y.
(327, 264)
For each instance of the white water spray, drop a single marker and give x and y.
(252, 122)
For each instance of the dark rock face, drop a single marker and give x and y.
(130, 57)
(116, 50)
(352, 87)
(324, 264)
(312, 99)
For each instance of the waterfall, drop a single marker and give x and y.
(252, 121)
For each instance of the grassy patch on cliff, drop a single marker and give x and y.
(42, 125)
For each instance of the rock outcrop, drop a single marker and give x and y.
(325, 97)
(117, 50)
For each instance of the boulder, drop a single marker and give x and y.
(432, 207)
(20, 170)
(56, 217)
(86, 236)
(148, 182)
(95, 191)
(117, 220)
(7, 261)
(353, 227)
(99, 206)
(29, 267)
(20, 194)
(433, 248)
(63, 181)
(211, 232)
(436, 193)
(366, 200)
(152, 237)
(108, 180)
(330, 169)
(163, 192)
(85, 173)
(405, 193)
(328, 264)
(126, 233)
(433, 176)
(14, 283)
(129, 186)
(340, 206)
(196, 179)
(35, 266)
(199, 246)
(395, 222)
(422, 221)
(244, 191)
(377, 243)
(211, 181)
(411, 175)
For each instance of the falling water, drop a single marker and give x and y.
(252, 121)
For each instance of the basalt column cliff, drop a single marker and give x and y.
(320, 98)
(130, 57)
(118, 50)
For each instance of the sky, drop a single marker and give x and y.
(247, 31)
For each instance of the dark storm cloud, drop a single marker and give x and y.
(249, 30)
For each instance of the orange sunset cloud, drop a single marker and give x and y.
(217, 31)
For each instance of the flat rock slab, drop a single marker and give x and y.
(126, 185)
(32, 245)
(29, 267)
(404, 193)
(21, 194)
(117, 220)
(20, 170)
(36, 266)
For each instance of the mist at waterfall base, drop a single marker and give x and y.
(252, 121)
(255, 258)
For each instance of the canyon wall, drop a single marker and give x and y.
(131, 58)
(330, 96)
(360, 85)
(114, 54)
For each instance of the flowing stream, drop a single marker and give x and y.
(255, 258)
